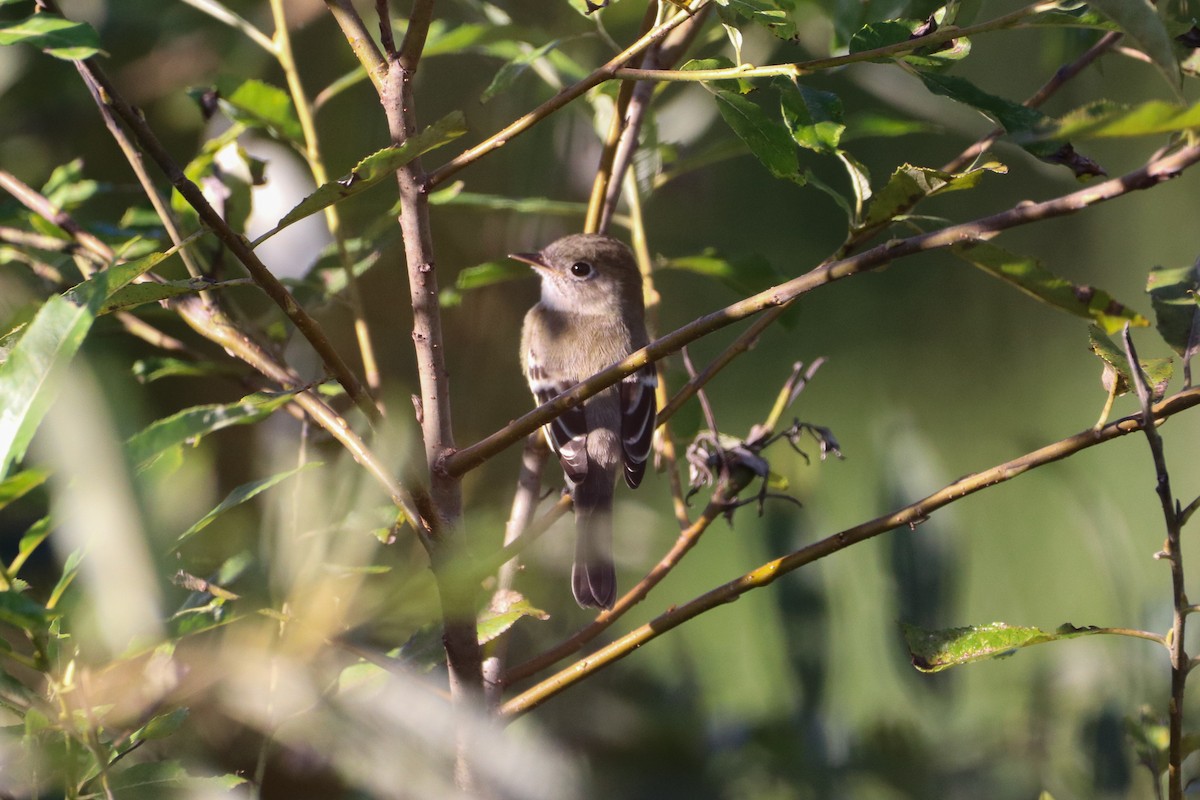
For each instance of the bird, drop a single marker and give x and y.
(590, 316)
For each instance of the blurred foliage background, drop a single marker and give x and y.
(802, 690)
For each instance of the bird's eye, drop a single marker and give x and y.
(581, 269)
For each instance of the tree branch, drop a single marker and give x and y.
(1158, 170)
(766, 574)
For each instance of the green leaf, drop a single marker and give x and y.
(908, 185)
(1141, 22)
(814, 117)
(165, 780)
(17, 486)
(28, 376)
(898, 31)
(260, 105)
(191, 424)
(1173, 292)
(745, 275)
(58, 37)
(1028, 275)
(21, 612)
(1021, 122)
(933, 651)
(872, 124)
(767, 138)
(148, 370)
(502, 615)
(1109, 120)
(454, 195)
(160, 727)
(1117, 378)
(139, 294)
(238, 496)
(507, 75)
(489, 273)
(761, 12)
(69, 571)
(66, 188)
(372, 169)
(30, 541)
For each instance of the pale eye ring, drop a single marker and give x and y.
(581, 269)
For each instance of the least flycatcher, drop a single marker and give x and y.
(591, 316)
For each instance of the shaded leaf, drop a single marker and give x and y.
(767, 138)
(1028, 275)
(1173, 293)
(1141, 22)
(511, 70)
(160, 727)
(1117, 379)
(908, 185)
(148, 370)
(241, 494)
(933, 651)
(745, 275)
(490, 273)
(21, 612)
(193, 423)
(1021, 122)
(373, 169)
(58, 37)
(898, 31)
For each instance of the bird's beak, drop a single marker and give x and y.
(534, 260)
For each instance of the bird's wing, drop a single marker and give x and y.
(637, 422)
(566, 434)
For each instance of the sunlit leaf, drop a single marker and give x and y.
(260, 105)
(17, 486)
(503, 614)
(1101, 120)
(933, 651)
(193, 423)
(160, 726)
(159, 780)
(1117, 378)
(58, 37)
(1028, 275)
(866, 125)
(30, 541)
(241, 494)
(761, 12)
(909, 184)
(139, 294)
(374, 168)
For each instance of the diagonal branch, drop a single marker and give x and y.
(1159, 169)
(912, 514)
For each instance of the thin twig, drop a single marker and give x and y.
(1172, 552)
(766, 574)
(524, 123)
(360, 40)
(1153, 173)
(316, 166)
(524, 504)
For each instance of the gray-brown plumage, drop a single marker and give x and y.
(591, 316)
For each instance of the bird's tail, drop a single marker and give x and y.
(593, 578)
